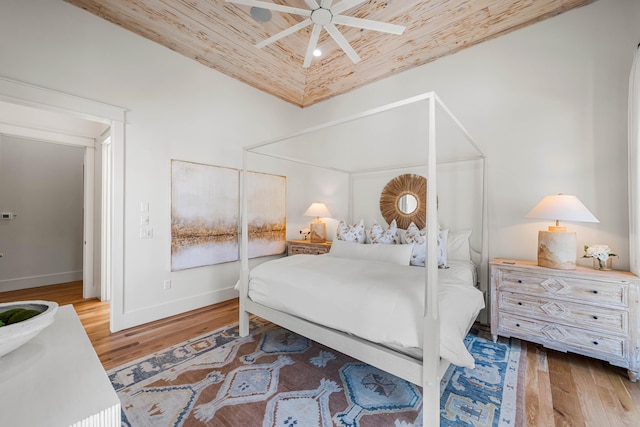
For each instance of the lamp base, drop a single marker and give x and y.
(318, 232)
(557, 250)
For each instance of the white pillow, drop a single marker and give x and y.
(351, 233)
(380, 235)
(458, 245)
(396, 254)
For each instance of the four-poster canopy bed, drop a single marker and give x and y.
(426, 366)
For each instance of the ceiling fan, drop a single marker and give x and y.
(322, 15)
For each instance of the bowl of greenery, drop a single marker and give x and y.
(21, 321)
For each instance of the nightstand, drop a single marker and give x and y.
(295, 247)
(585, 311)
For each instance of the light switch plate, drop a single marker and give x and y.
(146, 232)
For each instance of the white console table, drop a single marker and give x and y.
(57, 380)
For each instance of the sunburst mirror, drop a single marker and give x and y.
(404, 199)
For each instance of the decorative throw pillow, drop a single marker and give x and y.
(418, 237)
(414, 236)
(351, 233)
(443, 236)
(380, 235)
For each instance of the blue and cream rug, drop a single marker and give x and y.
(274, 377)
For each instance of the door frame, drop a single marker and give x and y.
(88, 284)
(105, 216)
(21, 93)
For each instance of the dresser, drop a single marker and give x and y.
(56, 379)
(584, 311)
(295, 247)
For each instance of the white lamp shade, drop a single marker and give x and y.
(561, 207)
(318, 210)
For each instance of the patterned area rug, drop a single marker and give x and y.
(274, 377)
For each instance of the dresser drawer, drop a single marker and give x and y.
(564, 338)
(570, 313)
(308, 250)
(584, 290)
(296, 247)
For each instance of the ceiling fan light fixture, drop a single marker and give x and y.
(321, 16)
(259, 14)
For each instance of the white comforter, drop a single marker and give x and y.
(378, 301)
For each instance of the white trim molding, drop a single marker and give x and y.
(26, 94)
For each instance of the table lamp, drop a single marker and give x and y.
(318, 228)
(558, 248)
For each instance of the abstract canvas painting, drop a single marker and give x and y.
(204, 215)
(266, 214)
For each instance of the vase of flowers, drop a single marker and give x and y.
(601, 254)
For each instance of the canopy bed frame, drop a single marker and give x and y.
(428, 371)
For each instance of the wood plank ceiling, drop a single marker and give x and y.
(223, 35)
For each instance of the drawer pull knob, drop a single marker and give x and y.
(595, 317)
(518, 325)
(595, 292)
(519, 303)
(519, 280)
(595, 343)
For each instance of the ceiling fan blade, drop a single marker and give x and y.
(313, 4)
(284, 33)
(326, 3)
(272, 6)
(368, 24)
(343, 5)
(313, 42)
(342, 42)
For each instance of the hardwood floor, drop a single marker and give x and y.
(565, 389)
(114, 349)
(561, 389)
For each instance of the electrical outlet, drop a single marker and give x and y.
(146, 232)
(167, 284)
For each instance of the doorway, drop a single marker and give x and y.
(42, 187)
(105, 123)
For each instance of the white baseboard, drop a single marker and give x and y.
(36, 281)
(149, 314)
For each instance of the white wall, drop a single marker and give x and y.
(459, 196)
(42, 184)
(548, 106)
(546, 103)
(176, 109)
